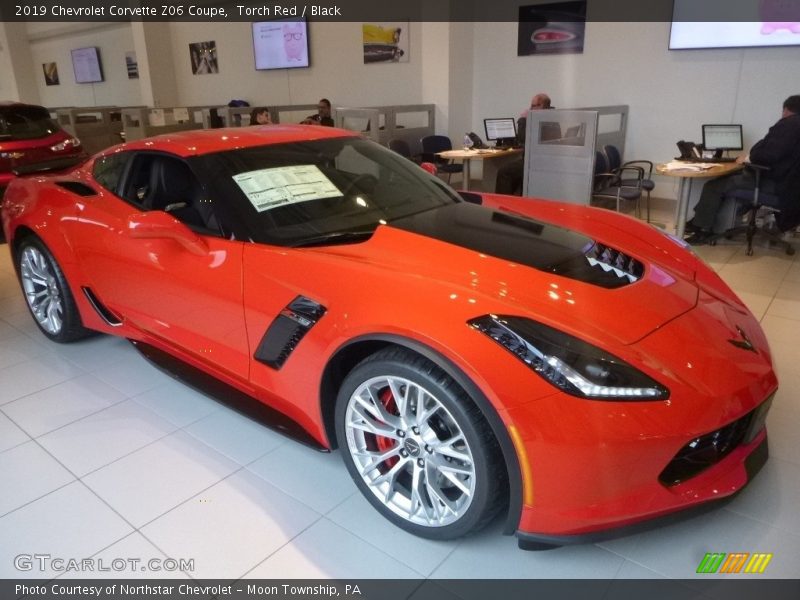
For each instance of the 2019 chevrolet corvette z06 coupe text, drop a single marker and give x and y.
(570, 367)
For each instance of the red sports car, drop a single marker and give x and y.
(571, 367)
(28, 136)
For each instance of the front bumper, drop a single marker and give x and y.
(755, 457)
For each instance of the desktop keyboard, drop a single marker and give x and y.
(721, 159)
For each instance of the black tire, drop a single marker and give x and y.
(431, 466)
(63, 325)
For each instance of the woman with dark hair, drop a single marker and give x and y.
(260, 116)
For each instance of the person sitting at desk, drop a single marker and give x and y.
(510, 175)
(322, 116)
(780, 151)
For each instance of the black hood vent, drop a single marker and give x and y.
(526, 241)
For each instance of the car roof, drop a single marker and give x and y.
(205, 141)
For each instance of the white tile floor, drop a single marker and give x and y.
(102, 455)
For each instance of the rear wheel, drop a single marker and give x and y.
(417, 446)
(47, 293)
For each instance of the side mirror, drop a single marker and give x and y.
(157, 224)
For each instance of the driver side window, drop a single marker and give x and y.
(164, 182)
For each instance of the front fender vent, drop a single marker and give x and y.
(286, 331)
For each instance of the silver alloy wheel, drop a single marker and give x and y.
(41, 290)
(410, 451)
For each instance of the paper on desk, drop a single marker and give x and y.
(677, 165)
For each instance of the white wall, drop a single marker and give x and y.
(52, 42)
(670, 94)
(337, 69)
(471, 71)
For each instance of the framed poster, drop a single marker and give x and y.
(554, 28)
(50, 73)
(204, 57)
(385, 42)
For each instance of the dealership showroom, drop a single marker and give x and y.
(106, 456)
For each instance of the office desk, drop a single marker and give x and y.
(687, 175)
(493, 156)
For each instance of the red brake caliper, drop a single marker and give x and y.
(386, 443)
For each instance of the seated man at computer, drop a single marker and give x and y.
(780, 151)
(510, 176)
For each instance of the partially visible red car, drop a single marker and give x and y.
(29, 136)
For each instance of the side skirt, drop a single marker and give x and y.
(226, 394)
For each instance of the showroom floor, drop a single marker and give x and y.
(101, 455)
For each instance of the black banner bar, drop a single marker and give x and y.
(388, 10)
(733, 587)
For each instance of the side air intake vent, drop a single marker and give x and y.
(107, 315)
(76, 187)
(286, 331)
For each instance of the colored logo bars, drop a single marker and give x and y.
(735, 562)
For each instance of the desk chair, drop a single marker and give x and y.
(615, 164)
(403, 149)
(431, 144)
(760, 203)
(623, 184)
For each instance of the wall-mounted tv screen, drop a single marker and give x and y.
(86, 65)
(762, 23)
(280, 44)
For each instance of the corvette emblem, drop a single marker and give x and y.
(12, 155)
(744, 343)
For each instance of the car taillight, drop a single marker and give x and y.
(71, 142)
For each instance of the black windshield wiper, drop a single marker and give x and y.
(336, 237)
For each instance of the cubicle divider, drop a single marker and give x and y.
(140, 123)
(291, 113)
(560, 148)
(559, 154)
(409, 122)
(612, 125)
(361, 120)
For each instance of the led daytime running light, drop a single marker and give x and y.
(563, 375)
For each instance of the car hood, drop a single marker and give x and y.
(518, 265)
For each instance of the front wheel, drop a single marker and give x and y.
(47, 293)
(417, 447)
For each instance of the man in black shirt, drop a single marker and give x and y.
(780, 151)
(322, 116)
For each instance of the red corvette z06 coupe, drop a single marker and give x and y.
(572, 368)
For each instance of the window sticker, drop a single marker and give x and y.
(280, 186)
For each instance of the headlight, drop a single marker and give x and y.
(67, 143)
(570, 364)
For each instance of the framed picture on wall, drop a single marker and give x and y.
(385, 42)
(50, 73)
(554, 28)
(204, 57)
(132, 65)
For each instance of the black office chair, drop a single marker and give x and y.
(403, 148)
(615, 186)
(431, 144)
(615, 164)
(760, 204)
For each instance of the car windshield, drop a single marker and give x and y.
(25, 123)
(318, 192)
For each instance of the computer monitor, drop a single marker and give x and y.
(502, 130)
(722, 137)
